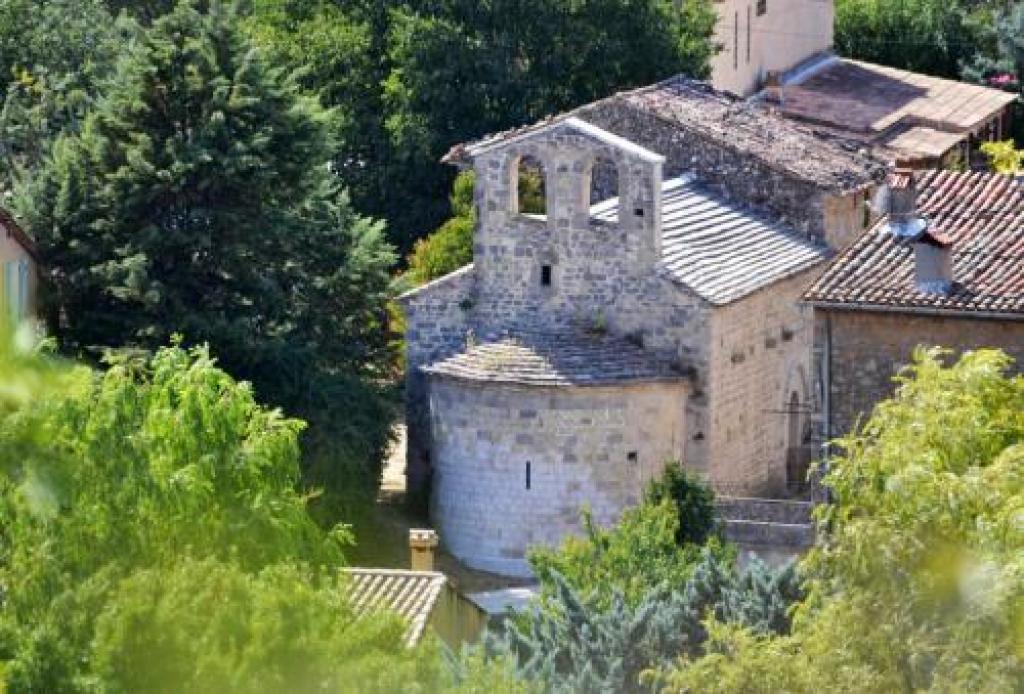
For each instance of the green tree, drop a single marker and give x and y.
(53, 53)
(337, 51)
(198, 200)
(578, 642)
(508, 63)
(140, 466)
(919, 582)
(930, 36)
(152, 538)
(412, 79)
(1003, 66)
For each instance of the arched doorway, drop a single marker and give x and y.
(798, 448)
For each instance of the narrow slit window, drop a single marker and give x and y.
(545, 276)
(527, 474)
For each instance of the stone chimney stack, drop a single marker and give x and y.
(933, 263)
(899, 203)
(773, 88)
(422, 543)
(903, 195)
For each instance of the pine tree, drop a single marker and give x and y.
(576, 643)
(198, 200)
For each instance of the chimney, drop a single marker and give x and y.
(900, 201)
(773, 93)
(903, 196)
(933, 263)
(422, 543)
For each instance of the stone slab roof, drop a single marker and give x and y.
(980, 214)
(579, 359)
(410, 594)
(721, 251)
(581, 126)
(696, 107)
(899, 111)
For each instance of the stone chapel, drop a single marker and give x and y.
(648, 313)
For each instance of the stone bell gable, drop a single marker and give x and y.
(568, 265)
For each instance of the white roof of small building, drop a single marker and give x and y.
(719, 250)
(410, 594)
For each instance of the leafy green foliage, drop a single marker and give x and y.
(1003, 156)
(140, 466)
(451, 246)
(694, 501)
(282, 629)
(579, 644)
(919, 585)
(929, 36)
(632, 557)
(197, 200)
(444, 251)
(1003, 65)
(53, 53)
(531, 192)
(337, 53)
(515, 62)
(152, 539)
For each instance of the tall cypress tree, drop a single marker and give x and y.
(198, 200)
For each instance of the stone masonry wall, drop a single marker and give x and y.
(761, 354)
(594, 446)
(602, 275)
(869, 348)
(732, 174)
(438, 318)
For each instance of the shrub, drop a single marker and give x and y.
(444, 251)
(631, 558)
(694, 501)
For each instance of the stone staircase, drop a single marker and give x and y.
(769, 523)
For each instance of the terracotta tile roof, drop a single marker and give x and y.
(11, 227)
(732, 123)
(538, 359)
(410, 594)
(719, 250)
(897, 110)
(980, 214)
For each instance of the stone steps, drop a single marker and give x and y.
(766, 510)
(780, 523)
(764, 534)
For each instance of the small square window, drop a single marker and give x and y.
(632, 456)
(639, 211)
(545, 275)
(762, 7)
